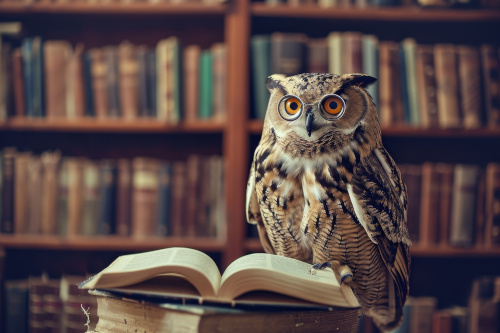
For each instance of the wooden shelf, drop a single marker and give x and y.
(107, 243)
(114, 9)
(400, 14)
(255, 127)
(95, 125)
(253, 245)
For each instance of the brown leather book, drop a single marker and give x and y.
(18, 82)
(124, 197)
(56, 56)
(75, 195)
(317, 56)
(203, 226)
(128, 66)
(75, 85)
(445, 174)
(60, 225)
(91, 197)
(21, 185)
(492, 223)
(191, 82)
(352, 52)
(469, 75)
(491, 83)
(36, 179)
(442, 322)
(144, 196)
(412, 176)
(445, 63)
(8, 181)
(50, 184)
(426, 86)
(179, 181)
(288, 53)
(193, 168)
(219, 81)
(99, 83)
(390, 99)
(429, 202)
(112, 81)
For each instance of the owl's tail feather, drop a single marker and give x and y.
(389, 317)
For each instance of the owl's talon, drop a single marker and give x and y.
(346, 278)
(322, 265)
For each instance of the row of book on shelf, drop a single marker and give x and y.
(171, 83)
(422, 314)
(140, 197)
(383, 3)
(40, 304)
(457, 205)
(442, 85)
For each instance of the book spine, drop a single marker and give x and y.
(90, 198)
(36, 214)
(370, 63)
(152, 84)
(75, 81)
(8, 169)
(164, 218)
(352, 52)
(429, 205)
(492, 225)
(89, 84)
(36, 309)
(162, 80)
(56, 56)
(463, 205)
(409, 46)
(191, 82)
(391, 107)
(206, 89)
(142, 79)
(21, 192)
(112, 77)
(26, 49)
(18, 82)
(144, 197)
(469, 74)
(261, 70)
(427, 89)
(446, 172)
(107, 205)
(178, 193)
(335, 61)
(288, 53)
(128, 70)
(99, 83)
(50, 199)
(75, 196)
(124, 198)
(317, 56)
(192, 187)
(38, 87)
(491, 79)
(403, 77)
(219, 81)
(16, 296)
(60, 226)
(447, 86)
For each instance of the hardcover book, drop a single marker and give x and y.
(185, 273)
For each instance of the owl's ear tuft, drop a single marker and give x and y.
(360, 80)
(275, 82)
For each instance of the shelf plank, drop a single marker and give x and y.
(255, 127)
(96, 125)
(400, 14)
(107, 243)
(253, 245)
(114, 9)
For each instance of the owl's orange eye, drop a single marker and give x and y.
(333, 107)
(292, 106)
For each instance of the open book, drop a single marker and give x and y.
(189, 273)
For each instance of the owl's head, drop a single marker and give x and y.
(310, 105)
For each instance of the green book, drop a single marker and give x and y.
(410, 49)
(369, 50)
(261, 69)
(205, 110)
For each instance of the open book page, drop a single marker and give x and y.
(262, 271)
(197, 268)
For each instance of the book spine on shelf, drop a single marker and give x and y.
(219, 81)
(164, 215)
(191, 82)
(491, 81)
(179, 181)
(75, 195)
(8, 169)
(113, 109)
(99, 83)
(261, 69)
(445, 60)
(91, 198)
(205, 110)
(75, 83)
(88, 79)
(144, 196)
(370, 64)
(50, 200)
(317, 56)
(128, 83)
(124, 198)
(469, 75)
(288, 53)
(36, 178)
(56, 56)
(21, 192)
(26, 50)
(492, 225)
(107, 206)
(38, 86)
(18, 82)
(16, 313)
(427, 89)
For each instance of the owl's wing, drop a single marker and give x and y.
(253, 214)
(379, 199)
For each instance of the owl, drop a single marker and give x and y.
(322, 188)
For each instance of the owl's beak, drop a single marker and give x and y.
(309, 121)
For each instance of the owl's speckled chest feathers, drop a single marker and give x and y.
(302, 192)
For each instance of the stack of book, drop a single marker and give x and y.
(428, 86)
(54, 80)
(453, 205)
(359, 4)
(38, 304)
(142, 197)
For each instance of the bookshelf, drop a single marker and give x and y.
(234, 23)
